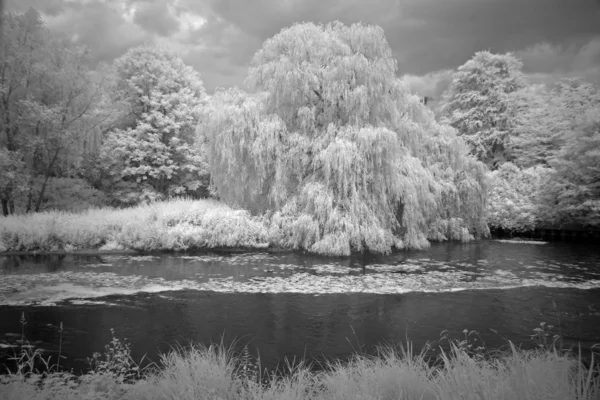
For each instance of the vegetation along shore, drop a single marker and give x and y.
(465, 370)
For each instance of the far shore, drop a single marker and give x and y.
(175, 226)
(92, 252)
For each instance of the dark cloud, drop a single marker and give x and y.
(155, 17)
(105, 31)
(429, 35)
(49, 7)
(553, 37)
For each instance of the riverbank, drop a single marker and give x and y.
(569, 233)
(174, 225)
(215, 373)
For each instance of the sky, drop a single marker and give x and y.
(429, 38)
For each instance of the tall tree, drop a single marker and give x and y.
(13, 178)
(542, 117)
(48, 99)
(20, 46)
(477, 103)
(573, 195)
(329, 144)
(153, 155)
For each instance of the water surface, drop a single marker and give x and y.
(294, 305)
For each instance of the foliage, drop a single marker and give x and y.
(172, 225)
(558, 128)
(541, 337)
(543, 116)
(536, 137)
(13, 178)
(214, 372)
(478, 103)
(21, 47)
(329, 145)
(574, 192)
(155, 155)
(49, 97)
(68, 194)
(116, 361)
(515, 202)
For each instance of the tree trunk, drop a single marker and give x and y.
(11, 206)
(30, 195)
(5, 207)
(38, 204)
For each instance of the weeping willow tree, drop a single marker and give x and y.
(336, 152)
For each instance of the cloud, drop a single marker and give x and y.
(427, 37)
(49, 7)
(431, 85)
(546, 63)
(103, 28)
(156, 17)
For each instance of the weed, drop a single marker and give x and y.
(116, 361)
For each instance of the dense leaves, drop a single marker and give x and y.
(543, 116)
(154, 156)
(336, 149)
(575, 188)
(515, 199)
(49, 99)
(556, 139)
(478, 103)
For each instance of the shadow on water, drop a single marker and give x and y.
(315, 326)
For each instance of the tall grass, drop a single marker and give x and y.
(215, 372)
(179, 224)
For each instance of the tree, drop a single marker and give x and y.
(543, 115)
(477, 103)
(573, 195)
(535, 137)
(515, 202)
(152, 156)
(20, 45)
(328, 145)
(48, 99)
(12, 179)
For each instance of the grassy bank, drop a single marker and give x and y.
(172, 225)
(467, 371)
(214, 373)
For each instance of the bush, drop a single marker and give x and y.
(65, 194)
(514, 202)
(177, 224)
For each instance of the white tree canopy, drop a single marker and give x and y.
(338, 152)
(163, 98)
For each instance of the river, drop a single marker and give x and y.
(286, 305)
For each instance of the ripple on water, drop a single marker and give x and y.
(87, 280)
(49, 289)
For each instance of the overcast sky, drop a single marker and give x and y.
(429, 38)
